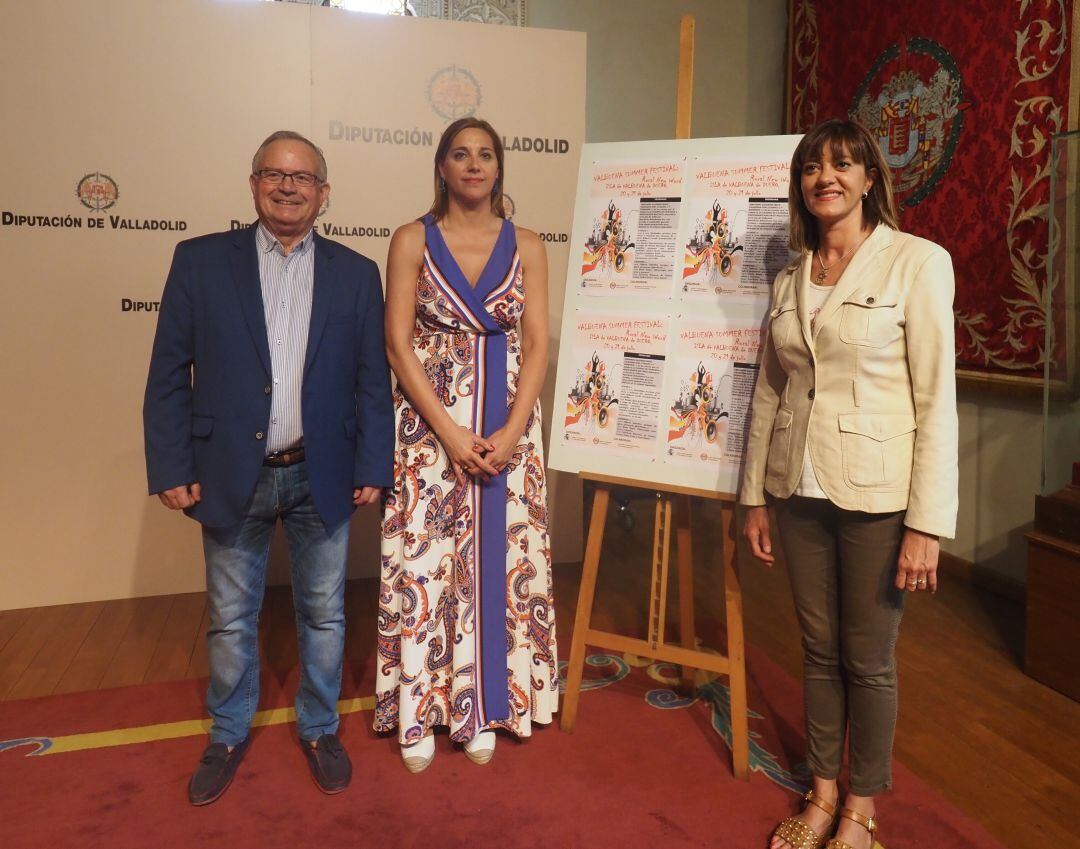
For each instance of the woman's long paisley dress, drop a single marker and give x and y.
(466, 620)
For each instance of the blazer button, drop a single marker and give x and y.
(810, 394)
(266, 390)
(871, 299)
(259, 434)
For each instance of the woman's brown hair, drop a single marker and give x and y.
(442, 198)
(844, 138)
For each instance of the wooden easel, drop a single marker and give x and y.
(669, 499)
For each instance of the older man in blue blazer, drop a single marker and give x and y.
(268, 399)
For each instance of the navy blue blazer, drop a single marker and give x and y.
(207, 403)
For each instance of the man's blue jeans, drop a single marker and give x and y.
(236, 560)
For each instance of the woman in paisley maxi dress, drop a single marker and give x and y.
(466, 620)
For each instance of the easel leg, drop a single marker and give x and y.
(661, 559)
(685, 554)
(740, 732)
(583, 614)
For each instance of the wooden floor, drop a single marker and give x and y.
(1000, 746)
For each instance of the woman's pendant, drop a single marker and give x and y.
(821, 275)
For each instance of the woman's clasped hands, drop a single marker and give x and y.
(468, 452)
(483, 458)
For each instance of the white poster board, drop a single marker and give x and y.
(674, 248)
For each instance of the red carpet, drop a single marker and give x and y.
(634, 774)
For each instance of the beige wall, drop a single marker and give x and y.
(1000, 462)
(633, 55)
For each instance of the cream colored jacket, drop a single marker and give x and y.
(873, 389)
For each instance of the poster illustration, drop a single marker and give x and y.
(709, 406)
(613, 398)
(738, 229)
(634, 228)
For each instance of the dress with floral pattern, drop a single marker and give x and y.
(466, 619)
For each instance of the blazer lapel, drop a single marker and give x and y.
(862, 268)
(245, 267)
(322, 291)
(802, 291)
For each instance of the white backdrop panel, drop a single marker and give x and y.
(168, 101)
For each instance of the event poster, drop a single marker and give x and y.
(630, 247)
(661, 336)
(613, 397)
(708, 406)
(737, 239)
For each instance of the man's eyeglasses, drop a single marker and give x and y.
(299, 178)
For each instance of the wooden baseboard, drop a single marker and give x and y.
(979, 576)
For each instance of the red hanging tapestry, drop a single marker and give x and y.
(963, 98)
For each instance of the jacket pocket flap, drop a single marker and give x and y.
(201, 425)
(782, 420)
(871, 300)
(878, 426)
(779, 309)
(350, 428)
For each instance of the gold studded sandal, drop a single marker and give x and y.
(797, 833)
(869, 823)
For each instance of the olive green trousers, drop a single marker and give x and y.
(842, 566)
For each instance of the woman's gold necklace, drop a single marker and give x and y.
(825, 269)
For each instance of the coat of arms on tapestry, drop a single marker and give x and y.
(964, 100)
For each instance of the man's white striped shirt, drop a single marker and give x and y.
(286, 283)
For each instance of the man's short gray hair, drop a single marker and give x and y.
(288, 135)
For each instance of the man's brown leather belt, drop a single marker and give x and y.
(284, 458)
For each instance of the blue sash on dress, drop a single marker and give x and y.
(489, 414)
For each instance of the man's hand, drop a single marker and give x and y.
(181, 497)
(366, 495)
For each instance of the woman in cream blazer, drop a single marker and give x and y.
(853, 440)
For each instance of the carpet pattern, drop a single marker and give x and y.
(645, 767)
